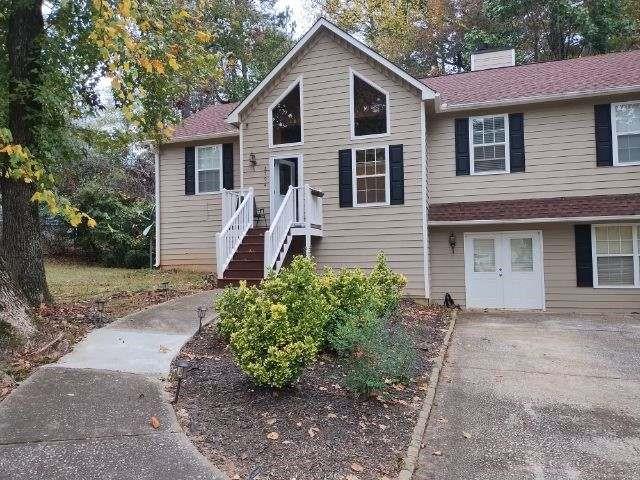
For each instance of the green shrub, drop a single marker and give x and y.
(373, 354)
(386, 285)
(117, 240)
(277, 330)
(232, 305)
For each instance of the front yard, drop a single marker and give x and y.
(77, 287)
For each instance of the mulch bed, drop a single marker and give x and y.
(61, 326)
(314, 430)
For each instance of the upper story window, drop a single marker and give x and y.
(489, 138)
(626, 133)
(371, 184)
(208, 169)
(369, 108)
(616, 255)
(285, 117)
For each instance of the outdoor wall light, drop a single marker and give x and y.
(202, 311)
(180, 369)
(452, 242)
(253, 161)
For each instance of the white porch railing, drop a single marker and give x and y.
(234, 230)
(312, 207)
(300, 209)
(278, 233)
(231, 200)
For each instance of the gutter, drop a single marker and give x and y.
(443, 107)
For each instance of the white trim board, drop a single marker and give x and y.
(427, 93)
(157, 194)
(204, 136)
(438, 223)
(425, 202)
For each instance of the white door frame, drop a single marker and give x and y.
(493, 234)
(272, 173)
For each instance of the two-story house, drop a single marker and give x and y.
(509, 186)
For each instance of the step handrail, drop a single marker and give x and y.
(275, 237)
(232, 234)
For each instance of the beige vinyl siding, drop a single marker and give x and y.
(560, 158)
(352, 236)
(189, 223)
(558, 249)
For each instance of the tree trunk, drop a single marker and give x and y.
(21, 222)
(13, 308)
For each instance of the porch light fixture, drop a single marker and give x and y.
(452, 242)
(202, 311)
(253, 161)
(179, 369)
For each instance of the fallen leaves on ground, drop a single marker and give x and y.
(273, 435)
(356, 467)
(154, 422)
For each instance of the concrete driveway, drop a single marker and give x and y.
(537, 396)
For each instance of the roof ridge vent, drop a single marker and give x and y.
(485, 58)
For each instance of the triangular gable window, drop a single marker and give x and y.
(369, 108)
(285, 117)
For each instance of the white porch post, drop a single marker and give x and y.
(307, 223)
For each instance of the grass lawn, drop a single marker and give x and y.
(75, 282)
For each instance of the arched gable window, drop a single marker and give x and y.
(369, 108)
(285, 117)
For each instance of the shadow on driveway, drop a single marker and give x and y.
(537, 396)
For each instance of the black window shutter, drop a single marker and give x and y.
(227, 166)
(345, 180)
(516, 142)
(462, 146)
(604, 145)
(189, 171)
(584, 262)
(396, 175)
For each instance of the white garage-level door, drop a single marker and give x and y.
(504, 270)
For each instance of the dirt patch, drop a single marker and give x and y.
(61, 326)
(314, 430)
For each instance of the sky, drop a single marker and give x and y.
(302, 13)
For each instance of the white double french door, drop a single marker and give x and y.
(504, 270)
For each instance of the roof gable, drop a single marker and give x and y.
(322, 23)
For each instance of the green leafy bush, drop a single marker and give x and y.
(373, 354)
(233, 306)
(117, 240)
(386, 285)
(277, 330)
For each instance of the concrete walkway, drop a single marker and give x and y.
(88, 417)
(537, 396)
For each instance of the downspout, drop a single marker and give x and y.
(157, 195)
(425, 200)
(241, 129)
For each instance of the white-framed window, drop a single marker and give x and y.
(368, 108)
(208, 169)
(625, 129)
(285, 117)
(489, 144)
(616, 255)
(370, 175)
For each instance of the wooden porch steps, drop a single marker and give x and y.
(248, 261)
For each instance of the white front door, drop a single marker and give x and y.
(504, 270)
